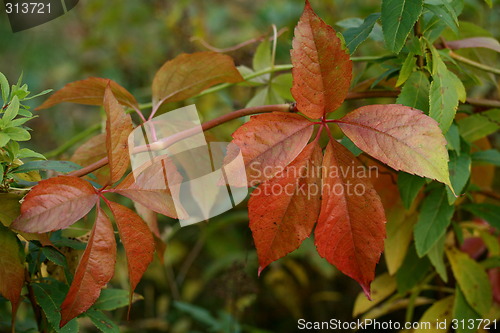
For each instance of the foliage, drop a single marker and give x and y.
(425, 207)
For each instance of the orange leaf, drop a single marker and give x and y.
(148, 186)
(401, 137)
(268, 143)
(95, 270)
(54, 204)
(189, 74)
(151, 219)
(118, 127)
(322, 70)
(11, 268)
(283, 210)
(137, 240)
(89, 92)
(351, 226)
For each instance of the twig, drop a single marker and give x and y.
(206, 45)
(475, 64)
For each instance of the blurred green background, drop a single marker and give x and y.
(210, 267)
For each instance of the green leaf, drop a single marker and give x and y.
(55, 256)
(415, 92)
(446, 14)
(436, 256)
(398, 18)
(434, 219)
(409, 186)
(199, 314)
(356, 35)
(463, 311)
(282, 84)
(472, 280)
(4, 139)
(4, 85)
(102, 322)
(1, 173)
(459, 174)
(486, 211)
(413, 270)
(489, 3)
(262, 58)
(12, 109)
(444, 95)
(453, 139)
(479, 125)
(19, 121)
(50, 296)
(59, 166)
(491, 156)
(17, 134)
(112, 299)
(406, 69)
(28, 153)
(39, 94)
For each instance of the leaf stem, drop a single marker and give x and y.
(475, 64)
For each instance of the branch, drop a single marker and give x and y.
(162, 144)
(474, 63)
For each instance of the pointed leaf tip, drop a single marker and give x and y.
(366, 290)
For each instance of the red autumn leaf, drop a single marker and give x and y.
(351, 226)
(95, 270)
(11, 268)
(90, 152)
(268, 143)
(148, 186)
(89, 92)
(322, 70)
(55, 203)
(283, 210)
(401, 137)
(118, 127)
(137, 240)
(189, 74)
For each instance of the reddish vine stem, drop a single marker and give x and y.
(238, 114)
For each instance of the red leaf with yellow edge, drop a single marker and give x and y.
(55, 203)
(268, 143)
(148, 185)
(351, 226)
(95, 270)
(89, 92)
(189, 74)
(137, 240)
(322, 70)
(400, 136)
(118, 127)
(11, 268)
(283, 210)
